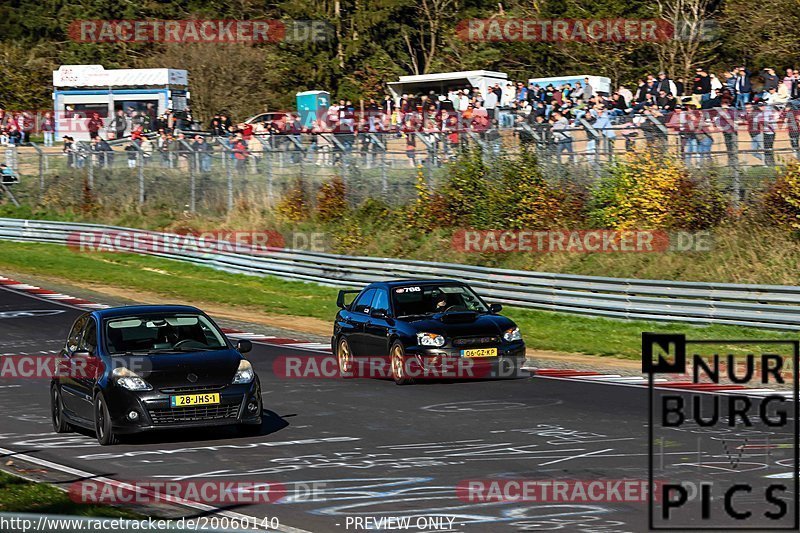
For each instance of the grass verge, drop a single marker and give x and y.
(19, 495)
(542, 330)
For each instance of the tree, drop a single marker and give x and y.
(241, 79)
(693, 44)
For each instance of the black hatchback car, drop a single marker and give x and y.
(139, 368)
(425, 329)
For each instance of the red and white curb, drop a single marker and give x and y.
(659, 383)
(235, 334)
(269, 339)
(50, 295)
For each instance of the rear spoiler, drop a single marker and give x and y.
(340, 299)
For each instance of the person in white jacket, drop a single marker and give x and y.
(715, 83)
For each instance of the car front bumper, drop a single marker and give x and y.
(154, 410)
(449, 362)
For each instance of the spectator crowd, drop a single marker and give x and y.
(547, 117)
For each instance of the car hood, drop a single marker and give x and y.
(463, 324)
(207, 368)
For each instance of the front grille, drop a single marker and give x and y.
(192, 414)
(475, 341)
(192, 389)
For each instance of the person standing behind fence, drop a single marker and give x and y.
(490, 104)
(203, 151)
(791, 116)
(769, 118)
(753, 117)
(48, 128)
(151, 117)
(163, 146)
(133, 154)
(725, 121)
(687, 129)
(119, 124)
(240, 154)
(94, 124)
(411, 142)
(701, 87)
(184, 158)
(705, 141)
(742, 87)
(104, 154)
(562, 136)
(146, 145)
(69, 150)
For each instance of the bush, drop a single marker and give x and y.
(648, 190)
(331, 200)
(781, 201)
(431, 209)
(525, 200)
(511, 194)
(294, 206)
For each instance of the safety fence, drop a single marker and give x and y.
(764, 306)
(216, 176)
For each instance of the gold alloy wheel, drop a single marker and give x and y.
(345, 357)
(398, 363)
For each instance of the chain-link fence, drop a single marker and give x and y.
(214, 175)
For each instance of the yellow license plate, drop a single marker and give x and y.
(479, 352)
(189, 400)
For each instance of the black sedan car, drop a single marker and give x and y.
(425, 329)
(139, 368)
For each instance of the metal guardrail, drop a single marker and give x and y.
(763, 306)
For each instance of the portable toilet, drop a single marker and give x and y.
(312, 105)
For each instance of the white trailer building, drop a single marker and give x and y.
(81, 90)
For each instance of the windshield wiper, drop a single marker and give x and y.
(202, 349)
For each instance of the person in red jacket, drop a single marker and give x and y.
(240, 154)
(94, 124)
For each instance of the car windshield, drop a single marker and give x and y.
(162, 333)
(416, 300)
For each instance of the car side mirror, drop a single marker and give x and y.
(495, 308)
(379, 313)
(244, 345)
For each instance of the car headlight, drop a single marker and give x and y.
(512, 334)
(244, 374)
(128, 379)
(430, 339)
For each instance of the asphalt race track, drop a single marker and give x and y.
(376, 449)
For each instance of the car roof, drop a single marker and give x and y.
(134, 310)
(413, 282)
(267, 114)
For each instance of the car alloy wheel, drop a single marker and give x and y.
(398, 364)
(345, 359)
(60, 425)
(102, 423)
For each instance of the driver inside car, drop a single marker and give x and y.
(440, 303)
